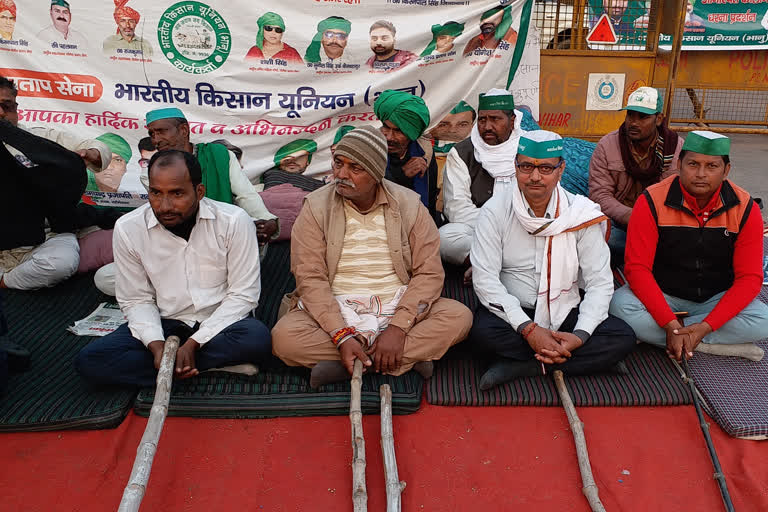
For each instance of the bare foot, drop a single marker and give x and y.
(468, 277)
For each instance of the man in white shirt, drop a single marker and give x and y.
(223, 178)
(535, 247)
(472, 169)
(181, 259)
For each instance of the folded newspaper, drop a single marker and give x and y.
(104, 320)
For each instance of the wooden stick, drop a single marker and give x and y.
(577, 428)
(393, 484)
(359, 492)
(142, 466)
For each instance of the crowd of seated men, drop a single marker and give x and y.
(368, 247)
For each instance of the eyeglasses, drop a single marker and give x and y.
(544, 169)
(9, 105)
(341, 36)
(270, 28)
(144, 163)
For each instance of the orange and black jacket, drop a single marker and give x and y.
(671, 250)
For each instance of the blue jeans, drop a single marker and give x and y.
(120, 359)
(750, 325)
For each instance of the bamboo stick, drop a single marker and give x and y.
(393, 484)
(359, 492)
(577, 428)
(142, 466)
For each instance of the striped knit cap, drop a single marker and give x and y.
(367, 147)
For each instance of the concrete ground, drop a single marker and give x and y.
(749, 165)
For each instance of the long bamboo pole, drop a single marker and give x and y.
(359, 492)
(589, 487)
(142, 466)
(393, 484)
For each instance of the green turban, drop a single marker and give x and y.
(342, 132)
(506, 20)
(117, 145)
(408, 112)
(333, 23)
(295, 146)
(269, 18)
(462, 106)
(61, 3)
(451, 28)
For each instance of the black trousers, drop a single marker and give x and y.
(611, 342)
(3, 355)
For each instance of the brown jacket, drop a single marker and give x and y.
(610, 185)
(318, 237)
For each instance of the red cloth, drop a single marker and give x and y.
(288, 53)
(8, 5)
(642, 237)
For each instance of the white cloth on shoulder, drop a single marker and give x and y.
(558, 287)
(498, 160)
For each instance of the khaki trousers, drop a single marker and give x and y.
(299, 341)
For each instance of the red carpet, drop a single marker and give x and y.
(452, 458)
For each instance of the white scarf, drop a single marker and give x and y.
(558, 286)
(498, 160)
(367, 313)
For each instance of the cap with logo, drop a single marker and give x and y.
(646, 100)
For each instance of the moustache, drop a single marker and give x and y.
(61, 19)
(489, 133)
(340, 181)
(487, 28)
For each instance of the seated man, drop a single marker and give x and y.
(643, 151)
(182, 260)
(410, 161)
(223, 178)
(535, 246)
(50, 165)
(472, 168)
(365, 254)
(695, 244)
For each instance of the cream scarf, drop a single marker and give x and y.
(498, 160)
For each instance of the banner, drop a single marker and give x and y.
(257, 74)
(724, 25)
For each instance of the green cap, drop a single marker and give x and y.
(342, 131)
(707, 143)
(295, 146)
(62, 3)
(164, 113)
(646, 100)
(496, 99)
(118, 145)
(462, 106)
(540, 144)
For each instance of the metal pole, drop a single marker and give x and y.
(677, 43)
(719, 476)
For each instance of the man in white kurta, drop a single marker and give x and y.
(184, 262)
(473, 169)
(535, 247)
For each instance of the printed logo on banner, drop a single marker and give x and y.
(605, 91)
(194, 37)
